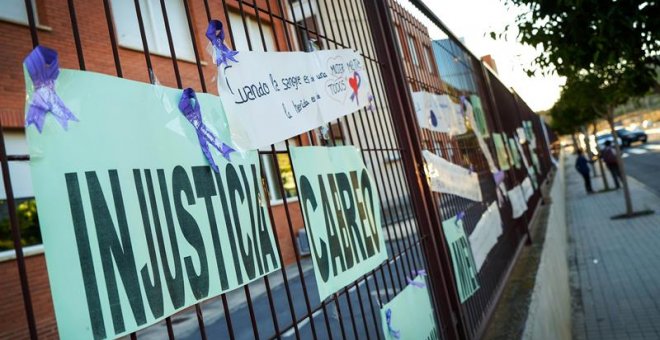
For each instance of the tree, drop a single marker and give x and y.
(608, 50)
(613, 36)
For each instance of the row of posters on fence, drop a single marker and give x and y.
(440, 114)
(151, 199)
(156, 230)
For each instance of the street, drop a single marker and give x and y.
(642, 161)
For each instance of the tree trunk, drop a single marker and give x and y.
(576, 146)
(622, 171)
(600, 163)
(587, 142)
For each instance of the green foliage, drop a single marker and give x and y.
(584, 34)
(609, 51)
(615, 42)
(582, 100)
(28, 223)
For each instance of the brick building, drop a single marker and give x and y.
(424, 73)
(100, 28)
(110, 43)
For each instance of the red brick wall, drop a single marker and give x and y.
(97, 51)
(287, 246)
(13, 321)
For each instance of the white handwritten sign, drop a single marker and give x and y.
(518, 201)
(485, 234)
(272, 96)
(450, 178)
(437, 112)
(434, 112)
(528, 188)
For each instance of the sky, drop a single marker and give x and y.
(473, 20)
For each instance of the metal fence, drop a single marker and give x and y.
(285, 304)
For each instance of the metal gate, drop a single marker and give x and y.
(90, 36)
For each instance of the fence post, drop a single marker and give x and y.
(406, 129)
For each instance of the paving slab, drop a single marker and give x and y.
(615, 264)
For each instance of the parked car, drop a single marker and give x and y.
(602, 138)
(630, 136)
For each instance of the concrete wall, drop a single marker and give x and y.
(549, 315)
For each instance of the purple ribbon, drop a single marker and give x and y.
(414, 283)
(463, 101)
(372, 106)
(388, 317)
(216, 34)
(499, 177)
(43, 67)
(189, 106)
(471, 169)
(459, 217)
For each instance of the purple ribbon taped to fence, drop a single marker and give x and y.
(388, 317)
(459, 217)
(372, 106)
(216, 34)
(189, 106)
(498, 177)
(414, 283)
(43, 67)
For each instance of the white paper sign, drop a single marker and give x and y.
(272, 96)
(518, 201)
(485, 234)
(528, 189)
(450, 178)
(458, 123)
(437, 112)
(522, 138)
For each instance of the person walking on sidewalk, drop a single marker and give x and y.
(582, 166)
(608, 155)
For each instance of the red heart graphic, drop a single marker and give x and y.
(353, 82)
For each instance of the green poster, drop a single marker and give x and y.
(135, 224)
(341, 208)
(411, 314)
(501, 150)
(479, 116)
(465, 270)
(513, 149)
(535, 160)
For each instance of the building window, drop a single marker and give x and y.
(253, 33)
(288, 185)
(428, 58)
(398, 40)
(308, 40)
(16, 12)
(413, 50)
(128, 28)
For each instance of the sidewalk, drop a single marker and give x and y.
(615, 267)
